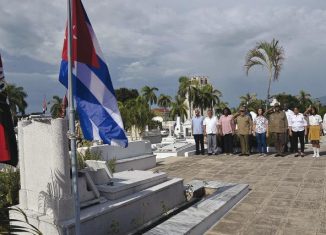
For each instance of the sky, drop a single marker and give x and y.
(154, 42)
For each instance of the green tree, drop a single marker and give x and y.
(268, 55)
(149, 95)
(165, 102)
(220, 106)
(247, 98)
(288, 99)
(123, 94)
(206, 97)
(55, 109)
(214, 95)
(304, 99)
(179, 108)
(16, 98)
(250, 100)
(187, 87)
(135, 112)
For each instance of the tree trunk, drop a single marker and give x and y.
(268, 90)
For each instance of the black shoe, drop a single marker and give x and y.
(296, 155)
(282, 155)
(196, 153)
(276, 155)
(241, 154)
(247, 154)
(215, 153)
(209, 154)
(202, 153)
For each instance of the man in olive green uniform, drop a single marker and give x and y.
(278, 126)
(244, 123)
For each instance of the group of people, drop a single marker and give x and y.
(282, 126)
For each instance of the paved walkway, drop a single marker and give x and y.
(287, 194)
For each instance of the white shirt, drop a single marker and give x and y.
(211, 125)
(315, 120)
(297, 122)
(324, 123)
(288, 114)
(197, 125)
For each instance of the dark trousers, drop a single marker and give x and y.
(288, 139)
(199, 139)
(244, 143)
(295, 136)
(279, 142)
(228, 143)
(261, 142)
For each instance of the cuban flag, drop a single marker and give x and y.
(96, 102)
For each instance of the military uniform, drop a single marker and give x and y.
(244, 128)
(278, 126)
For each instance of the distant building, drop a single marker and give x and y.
(202, 80)
(162, 112)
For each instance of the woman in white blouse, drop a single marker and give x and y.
(315, 129)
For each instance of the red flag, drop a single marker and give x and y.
(82, 46)
(64, 106)
(65, 101)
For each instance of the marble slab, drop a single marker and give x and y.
(198, 218)
(128, 182)
(124, 215)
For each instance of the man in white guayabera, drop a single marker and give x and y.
(210, 131)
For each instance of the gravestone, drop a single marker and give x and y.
(45, 195)
(134, 199)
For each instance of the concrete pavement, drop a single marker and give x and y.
(287, 194)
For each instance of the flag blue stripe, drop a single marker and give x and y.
(89, 108)
(102, 73)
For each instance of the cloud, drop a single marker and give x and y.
(154, 42)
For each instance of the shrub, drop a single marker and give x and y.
(9, 191)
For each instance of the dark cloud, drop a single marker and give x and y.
(154, 42)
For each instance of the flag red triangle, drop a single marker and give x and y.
(83, 49)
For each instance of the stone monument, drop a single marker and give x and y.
(118, 203)
(178, 144)
(45, 195)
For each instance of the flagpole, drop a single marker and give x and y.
(71, 133)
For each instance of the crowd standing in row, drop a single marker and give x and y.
(283, 126)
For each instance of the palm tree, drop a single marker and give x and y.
(16, 98)
(179, 108)
(214, 95)
(316, 103)
(149, 95)
(304, 99)
(268, 55)
(247, 98)
(136, 113)
(206, 97)
(187, 87)
(55, 109)
(220, 106)
(164, 101)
